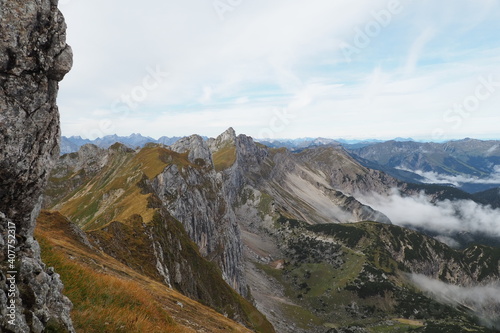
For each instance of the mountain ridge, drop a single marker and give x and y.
(121, 196)
(469, 164)
(273, 221)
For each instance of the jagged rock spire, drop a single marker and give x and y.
(228, 137)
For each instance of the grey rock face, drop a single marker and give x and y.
(305, 183)
(198, 198)
(89, 158)
(34, 56)
(226, 138)
(88, 161)
(196, 148)
(246, 168)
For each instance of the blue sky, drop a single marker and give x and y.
(283, 68)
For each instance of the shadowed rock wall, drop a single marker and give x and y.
(34, 57)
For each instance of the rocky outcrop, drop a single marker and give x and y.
(195, 147)
(34, 56)
(186, 186)
(82, 165)
(197, 197)
(247, 164)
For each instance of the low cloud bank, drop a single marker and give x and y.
(431, 177)
(443, 217)
(483, 300)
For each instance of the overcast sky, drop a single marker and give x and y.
(283, 68)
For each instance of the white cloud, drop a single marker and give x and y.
(448, 241)
(483, 299)
(444, 217)
(273, 54)
(417, 49)
(431, 177)
(480, 294)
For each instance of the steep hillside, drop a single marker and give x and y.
(311, 184)
(285, 229)
(146, 208)
(109, 295)
(311, 275)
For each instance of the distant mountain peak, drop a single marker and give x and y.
(403, 139)
(227, 138)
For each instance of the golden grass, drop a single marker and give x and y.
(224, 158)
(135, 203)
(105, 303)
(91, 206)
(110, 297)
(151, 161)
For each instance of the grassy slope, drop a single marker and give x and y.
(109, 296)
(368, 279)
(201, 279)
(224, 158)
(114, 193)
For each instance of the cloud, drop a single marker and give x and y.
(417, 49)
(272, 52)
(444, 217)
(431, 177)
(448, 241)
(484, 300)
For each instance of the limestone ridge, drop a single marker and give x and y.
(162, 212)
(269, 218)
(186, 186)
(202, 188)
(198, 198)
(310, 184)
(236, 157)
(34, 56)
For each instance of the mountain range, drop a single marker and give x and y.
(470, 165)
(276, 240)
(73, 143)
(227, 234)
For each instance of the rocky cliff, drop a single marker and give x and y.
(34, 56)
(162, 212)
(308, 267)
(198, 198)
